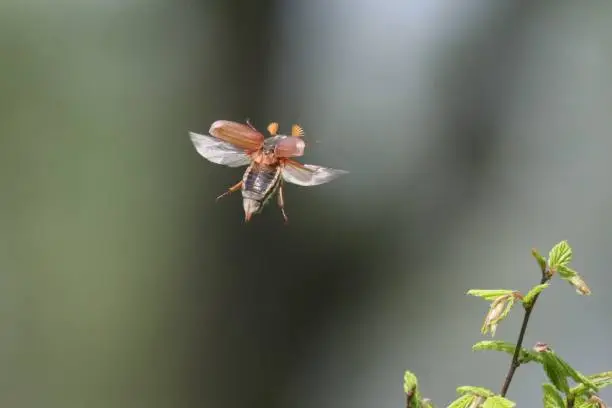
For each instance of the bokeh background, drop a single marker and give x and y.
(473, 131)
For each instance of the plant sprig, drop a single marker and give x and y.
(557, 393)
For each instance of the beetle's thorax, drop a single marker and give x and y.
(264, 158)
(267, 154)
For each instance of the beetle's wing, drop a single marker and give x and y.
(290, 146)
(308, 174)
(218, 151)
(243, 136)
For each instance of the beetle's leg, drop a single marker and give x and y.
(281, 203)
(249, 124)
(231, 190)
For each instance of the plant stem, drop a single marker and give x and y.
(515, 363)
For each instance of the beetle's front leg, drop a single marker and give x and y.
(249, 124)
(230, 190)
(281, 203)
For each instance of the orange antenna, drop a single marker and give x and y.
(273, 128)
(297, 131)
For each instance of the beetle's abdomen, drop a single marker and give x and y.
(260, 181)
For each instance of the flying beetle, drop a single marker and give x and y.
(270, 161)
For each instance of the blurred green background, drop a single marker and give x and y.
(473, 131)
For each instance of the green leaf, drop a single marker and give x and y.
(557, 378)
(497, 401)
(568, 274)
(495, 345)
(565, 272)
(600, 381)
(555, 371)
(582, 402)
(463, 401)
(558, 370)
(592, 402)
(560, 255)
(576, 375)
(541, 260)
(586, 404)
(533, 292)
(480, 391)
(410, 382)
(489, 294)
(411, 389)
(552, 399)
(525, 355)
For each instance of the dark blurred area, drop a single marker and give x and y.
(472, 131)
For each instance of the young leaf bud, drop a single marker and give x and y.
(499, 309)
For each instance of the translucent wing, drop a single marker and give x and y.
(218, 151)
(309, 174)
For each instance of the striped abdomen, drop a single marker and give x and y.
(260, 182)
